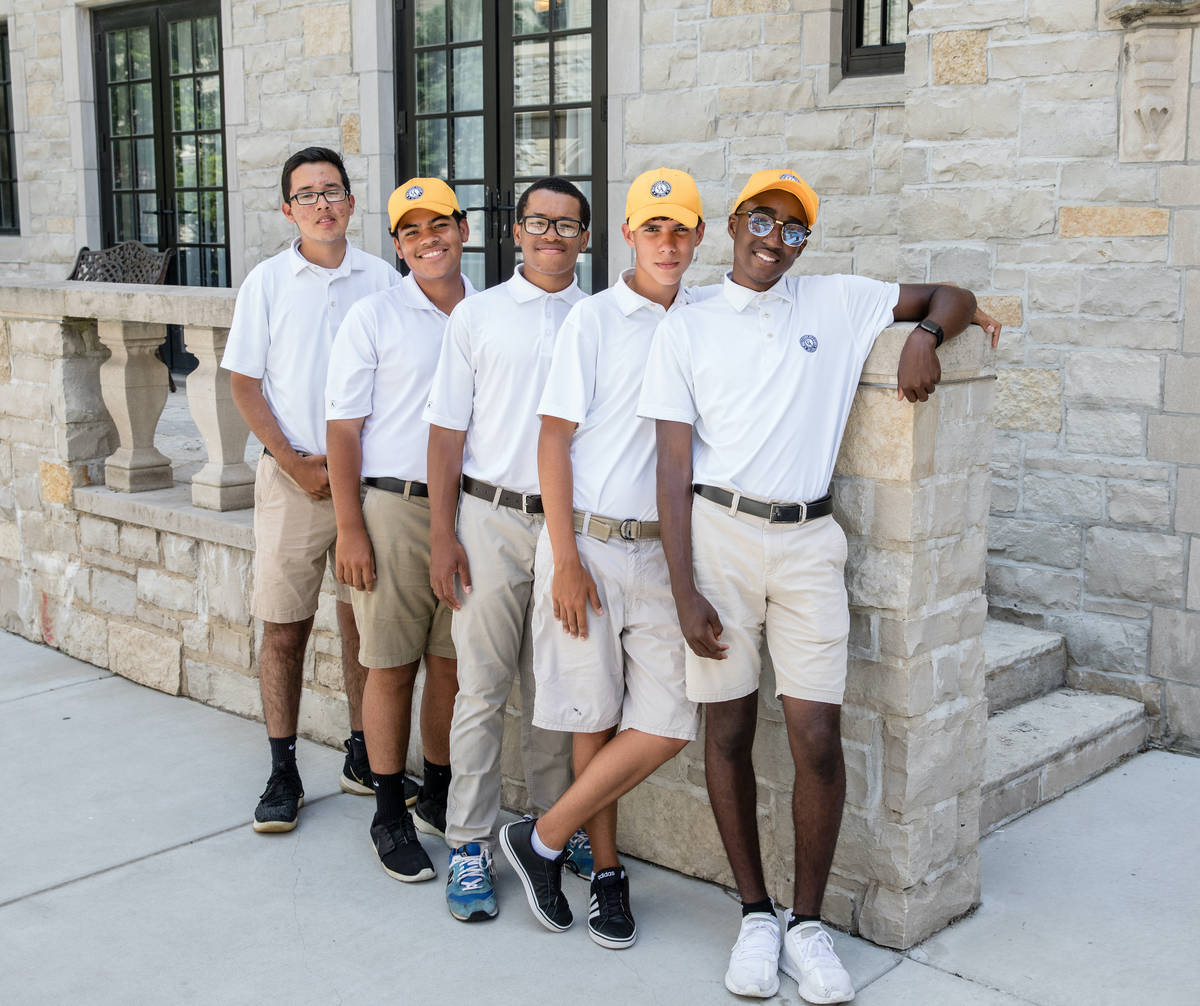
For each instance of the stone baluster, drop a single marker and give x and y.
(225, 482)
(133, 383)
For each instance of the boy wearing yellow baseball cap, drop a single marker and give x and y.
(608, 654)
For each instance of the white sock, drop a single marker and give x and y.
(541, 848)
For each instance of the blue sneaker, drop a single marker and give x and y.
(579, 855)
(471, 886)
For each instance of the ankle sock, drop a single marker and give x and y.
(437, 780)
(389, 795)
(541, 848)
(750, 907)
(283, 752)
(795, 920)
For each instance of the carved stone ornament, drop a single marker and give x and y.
(1154, 86)
(1131, 11)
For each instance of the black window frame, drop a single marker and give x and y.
(8, 181)
(860, 60)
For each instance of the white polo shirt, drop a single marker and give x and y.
(767, 379)
(490, 376)
(381, 367)
(287, 313)
(594, 381)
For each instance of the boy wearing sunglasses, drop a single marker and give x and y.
(288, 310)
(483, 431)
(618, 666)
(751, 390)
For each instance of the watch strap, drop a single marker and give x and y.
(934, 328)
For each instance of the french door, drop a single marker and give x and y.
(494, 94)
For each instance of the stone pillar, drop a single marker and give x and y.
(133, 382)
(225, 482)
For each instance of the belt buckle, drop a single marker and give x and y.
(774, 515)
(525, 505)
(627, 530)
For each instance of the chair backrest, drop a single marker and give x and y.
(128, 262)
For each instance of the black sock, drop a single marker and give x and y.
(766, 905)
(283, 752)
(437, 780)
(389, 795)
(797, 919)
(358, 746)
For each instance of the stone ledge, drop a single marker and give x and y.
(159, 305)
(1021, 663)
(170, 510)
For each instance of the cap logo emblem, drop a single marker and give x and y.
(787, 176)
(414, 192)
(808, 343)
(660, 188)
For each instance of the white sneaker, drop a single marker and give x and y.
(754, 960)
(808, 956)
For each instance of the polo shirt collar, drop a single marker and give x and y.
(629, 300)
(416, 298)
(522, 291)
(741, 297)
(300, 263)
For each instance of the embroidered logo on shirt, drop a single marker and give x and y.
(787, 176)
(808, 343)
(414, 192)
(660, 188)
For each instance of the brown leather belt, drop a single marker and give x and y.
(603, 528)
(401, 486)
(528, 503)
(773, 513)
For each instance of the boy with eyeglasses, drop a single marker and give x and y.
(288, 309)
(620, 663)
(751, 390)
(483, 434)
(379, 376)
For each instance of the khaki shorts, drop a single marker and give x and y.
(293, 538)
(401, 619)
(630, 669)
(786, 578)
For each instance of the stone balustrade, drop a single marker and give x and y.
(131, 323)
(150, 586)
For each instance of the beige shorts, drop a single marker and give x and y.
(293, 538)
(786, 578)
(401, 619)
(630, 669)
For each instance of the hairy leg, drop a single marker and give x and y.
(815, 737)
(387, 716)
(280, 671)
(354, 675)
(728, 739)
(437, 707)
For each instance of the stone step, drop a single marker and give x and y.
(1022, 663)
(1040, 749)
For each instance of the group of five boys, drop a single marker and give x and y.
(581, 491)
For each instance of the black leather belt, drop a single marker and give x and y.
(774, 513)
(525, 502)
(401, 486)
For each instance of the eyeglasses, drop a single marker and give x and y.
(761, 224)
(565, 227)
(310, 198)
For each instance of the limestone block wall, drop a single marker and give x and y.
(295, 74)
(1051, 162)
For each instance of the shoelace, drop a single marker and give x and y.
(472, 871)
(758, 937)
(818, 948)
(577, 841)
(608, 898)
(281, 786)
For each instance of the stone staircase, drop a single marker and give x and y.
(1043, 738)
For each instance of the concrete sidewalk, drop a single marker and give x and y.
(129, 874)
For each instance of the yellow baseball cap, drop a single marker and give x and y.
(421, 194)
(663, 192)
(786, 180)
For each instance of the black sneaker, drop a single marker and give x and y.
(429, 815)
(610, 922)
(541, 878)
(400, 853)
(356, 772)
(279, 806)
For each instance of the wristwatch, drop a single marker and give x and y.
(935, 328)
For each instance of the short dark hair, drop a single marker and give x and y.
(560, 185)
(311, 155)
